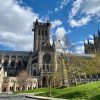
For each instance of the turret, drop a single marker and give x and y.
(41, 34)
(98, 33)
(94, 36)
(84, 44)
(53, 45)
(88, 41)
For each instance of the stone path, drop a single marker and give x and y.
(44, 98)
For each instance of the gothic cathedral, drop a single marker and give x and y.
(44, 56)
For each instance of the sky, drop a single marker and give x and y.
(78, 20)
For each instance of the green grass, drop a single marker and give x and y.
(89, 91)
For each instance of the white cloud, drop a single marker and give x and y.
(50, 12)
(91, 7)
(90, 41)
(79, 49)
(75, 8)
(16, 25)
(56, 9)
(63, 3)
(81, 22)
(56, 23)
(87, 9)
(91, 36)
(80, 42)
(60, 33)
(86, 41)
(60, 38)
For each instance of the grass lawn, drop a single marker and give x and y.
(89, 91)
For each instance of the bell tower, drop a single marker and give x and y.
(44, 52)
(41, 34)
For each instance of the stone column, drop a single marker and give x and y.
(91, 77)
(40, 82)
(0, 87)
(35, 40)
(97, 76)
(21, 88)
(14, 85)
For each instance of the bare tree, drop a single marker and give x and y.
(70, 65)
(22, 79)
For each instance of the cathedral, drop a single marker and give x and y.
(39, 63)
(91, 48)
(44, 56)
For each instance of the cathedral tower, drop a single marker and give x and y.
(44, 58)
(41, 34)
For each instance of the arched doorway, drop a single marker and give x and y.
(44, 82)
(4, 89)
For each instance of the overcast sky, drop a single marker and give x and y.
(79, 19)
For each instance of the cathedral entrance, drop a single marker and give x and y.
(44, 82)
(4, 89)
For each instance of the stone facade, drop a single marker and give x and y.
(11, 84)
(91, 48)
(13, 62)
(44, 57)
(39, 63)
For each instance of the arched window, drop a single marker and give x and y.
(47, 58)
(5, 63)
(45, 32)
(39, 32)
(42, 32)
(12, 63)
(34, 73)
(42, 35)
(10, 88)
(19, 63)
(47, 67)
(43, 67)
(25, 63)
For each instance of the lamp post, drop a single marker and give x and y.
(49, 84)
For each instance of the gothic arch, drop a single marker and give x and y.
(48, 68)
(43, 67)
(44, 81)
(34, 72)
(12, 63)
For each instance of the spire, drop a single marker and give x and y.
(48, 23)
(36, 21)
(98, 33)
(84, 44)
(88, 41)
(94, 36)
(53, 45)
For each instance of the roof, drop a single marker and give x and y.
(14, 53)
